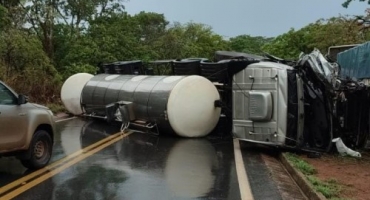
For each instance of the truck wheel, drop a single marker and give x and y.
(40, 151)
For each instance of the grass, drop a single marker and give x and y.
(56, 107)
(329, 188)
(301, 165)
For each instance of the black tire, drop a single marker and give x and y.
(39, 151)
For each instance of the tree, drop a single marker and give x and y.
(322, 34)
(78, 13)
(11, 14)
(4, 19)
(248, 44)
(190, 40)
(348, 2)
(9, 4)
(26, 67)
(114, 38)
(339, 30)
(151, 25)
(43, 42)
(287, 45)
(43, 15)
(146, 36)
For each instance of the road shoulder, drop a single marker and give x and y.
(300, 179)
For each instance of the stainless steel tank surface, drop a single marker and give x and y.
(182, 104)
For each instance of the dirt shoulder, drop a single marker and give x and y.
(351, 174)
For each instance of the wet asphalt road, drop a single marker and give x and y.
(143, 166)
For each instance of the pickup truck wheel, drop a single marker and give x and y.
(40, 151)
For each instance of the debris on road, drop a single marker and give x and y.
(344, 150)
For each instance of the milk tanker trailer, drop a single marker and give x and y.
(296, 104)
(182, 105)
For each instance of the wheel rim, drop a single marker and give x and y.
(39, 150)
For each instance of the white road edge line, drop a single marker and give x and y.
(244, 187)
(61, 120)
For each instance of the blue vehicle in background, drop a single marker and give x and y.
(355, 62)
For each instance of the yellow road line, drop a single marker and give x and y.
(244, 187)
(46, 176)
(53, 165)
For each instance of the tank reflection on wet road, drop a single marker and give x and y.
(140, 166)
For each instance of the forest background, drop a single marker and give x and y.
(43, 42)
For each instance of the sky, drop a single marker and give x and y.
(230, 18)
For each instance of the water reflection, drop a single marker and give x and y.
(142, 166)
(163, 167)
(188, 169)
(94, 182)
(92, 178)
(79, 133)
(70, 136)
(10, 170)
(94, 131)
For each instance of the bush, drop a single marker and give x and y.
(78, 68)
(25, 67)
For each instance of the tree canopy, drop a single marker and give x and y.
(321, 34)
(43, 42)
(249, 44)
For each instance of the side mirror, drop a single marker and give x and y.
(22, 99)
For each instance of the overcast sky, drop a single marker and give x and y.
(254, 17)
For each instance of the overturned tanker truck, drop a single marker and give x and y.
(299, 104)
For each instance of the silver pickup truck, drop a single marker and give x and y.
(26, 129)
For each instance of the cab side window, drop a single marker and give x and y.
(6, 96)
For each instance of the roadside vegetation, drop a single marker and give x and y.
(44, 42)
(329, 188)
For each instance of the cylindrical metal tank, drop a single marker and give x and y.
(184, 105)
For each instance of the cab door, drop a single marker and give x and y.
(13, 121)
